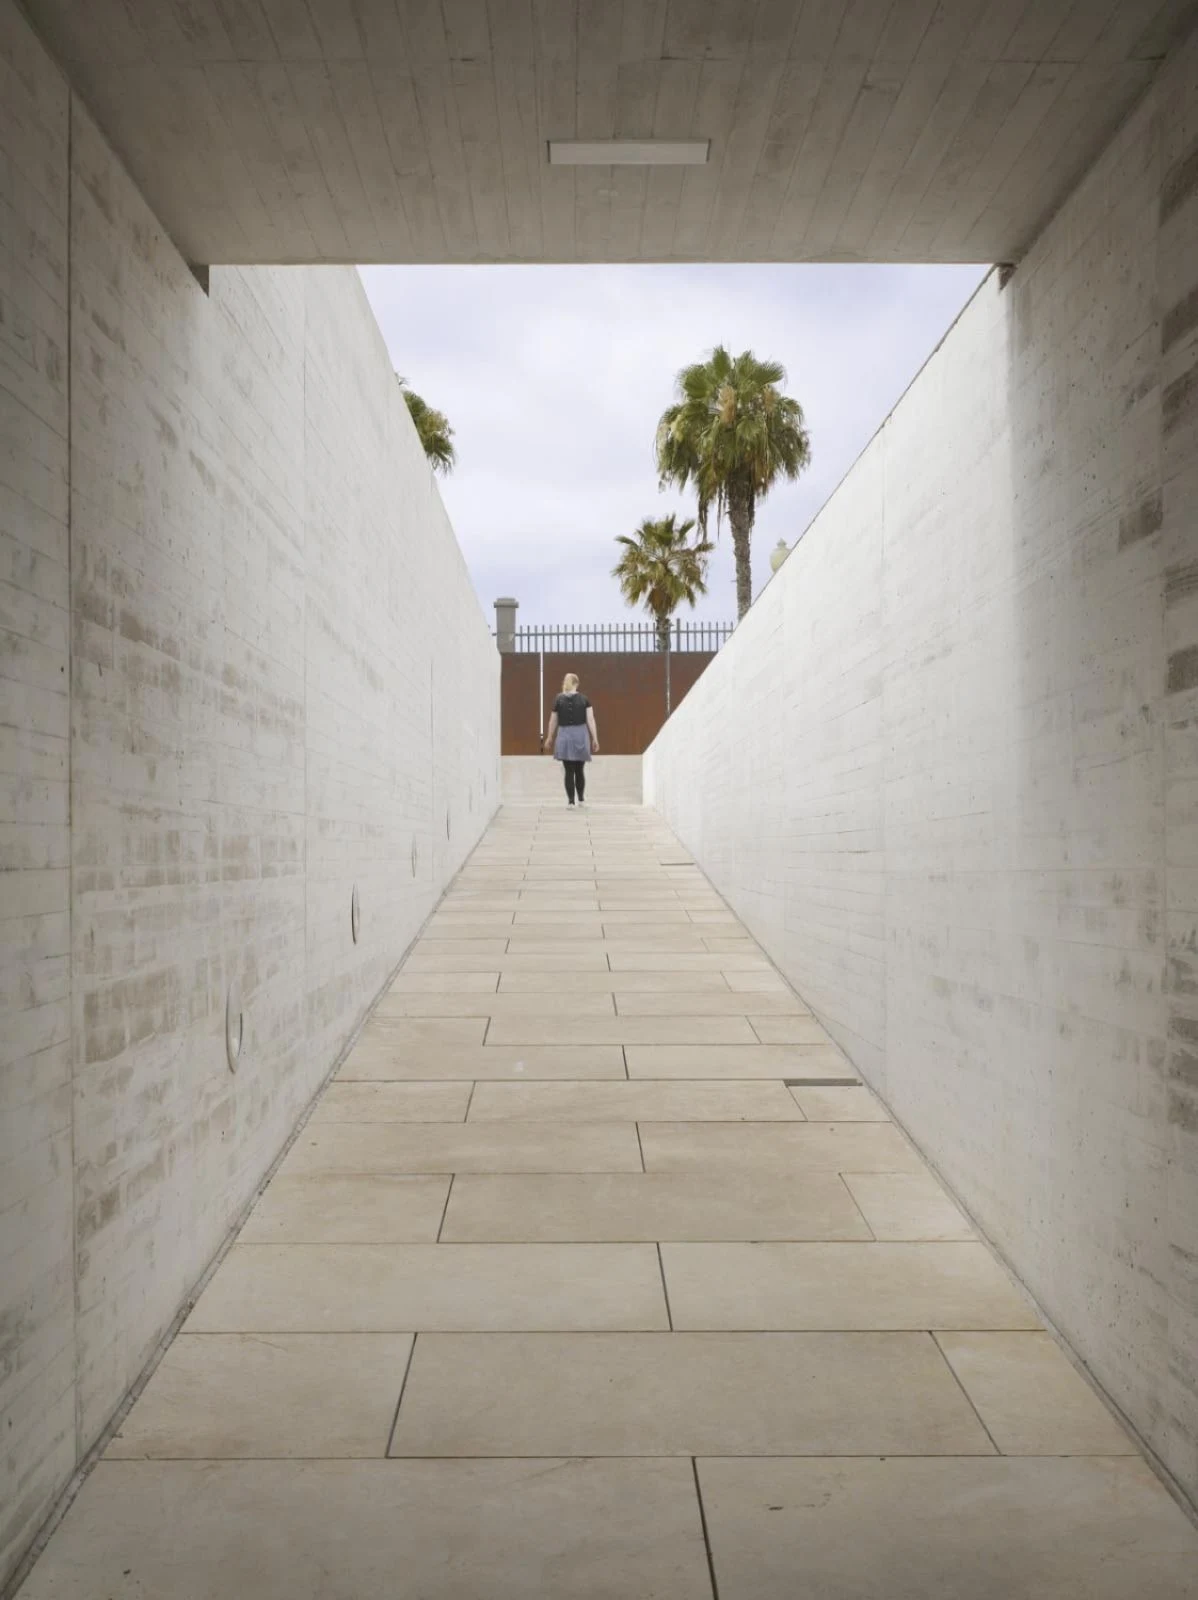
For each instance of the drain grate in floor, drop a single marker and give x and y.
(822, 1083)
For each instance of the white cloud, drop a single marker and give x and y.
(554, 378)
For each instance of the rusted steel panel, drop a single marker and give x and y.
(627, 688)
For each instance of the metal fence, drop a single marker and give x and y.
(620, 636)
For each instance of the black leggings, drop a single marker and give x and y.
(576, 779)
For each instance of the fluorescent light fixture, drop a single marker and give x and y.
(628, 152)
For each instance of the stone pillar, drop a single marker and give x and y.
(505, 624)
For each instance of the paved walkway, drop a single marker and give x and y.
(596, 1275)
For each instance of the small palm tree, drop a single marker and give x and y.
(432, 429)
(732, 434)
(662, 568)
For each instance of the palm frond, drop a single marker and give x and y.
(432, 429)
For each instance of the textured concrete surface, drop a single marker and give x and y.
(945, 769)
(610, 779)
(555, 1382)
(258, 656)
(399, 130)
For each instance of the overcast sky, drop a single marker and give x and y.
(554, 377)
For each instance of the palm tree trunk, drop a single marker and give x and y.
(663, 632)
(740, 515)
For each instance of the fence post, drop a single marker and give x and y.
(505, 624)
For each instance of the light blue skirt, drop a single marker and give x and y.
(572, 744)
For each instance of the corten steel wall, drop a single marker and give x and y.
(237, 633)
(947, 767)
(627, 688)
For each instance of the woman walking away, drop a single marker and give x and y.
(573, 736)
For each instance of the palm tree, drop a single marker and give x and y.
(432, 429)
(662, 568)
(732, 434)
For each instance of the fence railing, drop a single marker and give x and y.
(634, 636)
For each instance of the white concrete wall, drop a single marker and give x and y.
(253, 646)
(37, 1327)
(947, 768)
(611, 780)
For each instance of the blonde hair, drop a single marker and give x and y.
(570, 683)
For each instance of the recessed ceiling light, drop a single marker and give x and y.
(628, 152)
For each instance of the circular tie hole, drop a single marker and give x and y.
(234, 1027)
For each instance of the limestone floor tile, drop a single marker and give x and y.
(992, 1529)
(867, 1286)
(651, 1205)
(493, 925)
(776, 1147)
(495, 1005)
(712, 1060)
(375, 1208)
(334, 1147)
(837, 1104)
(680, 942)
(401, 1032)
(662, 959)
(267, 1288)
(1031, 1399)
(763, 981)
(454, 949)
(787, 1030)
(553, 902)
(711, 984)
(647, 916)
(715, 1002)
(545, 927)
(729, 943)
(906, 1205)
(646, 900)
(409, 1530)
(443, 960)
(636, 1102)
(393, 1102)
(684, 1394)
(220, 1396)
(378, 1063)
(564, 1029)
(439, 983)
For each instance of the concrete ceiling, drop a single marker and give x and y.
(416, 130)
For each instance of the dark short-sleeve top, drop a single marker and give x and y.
(571, 710)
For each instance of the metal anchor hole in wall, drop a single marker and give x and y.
(447, 822)
(234, 1026)
(355, 914)
(413, 857)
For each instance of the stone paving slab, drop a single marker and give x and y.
(711, 985)
(1032, 1401)
(464, 1147)
(652, 1205)
(225, 1396)
(358, 1208)
(906, 1205)
(866, 1286)
(776, 1147)
(741, 1061)
(786, 1294)
(357, 1530)
(266, 1288)
(378, 1062)
(678, 1393)
(635, 1102)
(393, 1102)
(832, 1103)
(1000, 1529)
(567, 1028)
